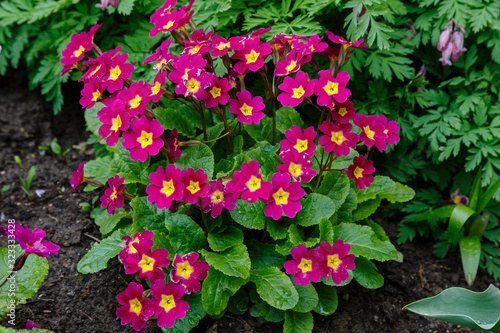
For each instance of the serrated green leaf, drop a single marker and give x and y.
(296, 322)
(125, 7)
(216, 290)
(274, 287)
(314, 208)
(308, 298)
(265, 310)
(229, 237)
(107, 222)
(327, 301)
(147, 216)
(286, 118)
(250, 215)
(171, 118)
(365, 209)
(232, 262)
(385, 188)
(264, 255)
(366, 274)
(263, 131)
(197, 157)
(335, 185)
(184, 234)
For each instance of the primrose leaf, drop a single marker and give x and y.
(274, 287)
(314, 208)
(286, 118)
(147, 216)
(216, 290)
(385, 188)
(184, 234)
(335, 185)
(193, 316)
(265, 310)
(264, 255)
(366, 274)
(171, 118)
(229, 237)
(327, 299)
(197, 157)
(297, 322)
(263, 131)
(308, 298)
(249, 214)
(233, 261)
(365, 209)
(91, 118)
(107, 222)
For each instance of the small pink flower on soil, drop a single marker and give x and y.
(155, 90)
(136, 98)
(174, 145)
(188, 272)
(168, 22)
(248, 109)
(195, 185)
(147, 263)
(335, 260)
(361, 171)
(118, 72)
(112, 197)
(328, 88)
(303, 143)
(31, 241)
(338, 138)
(345, 44)
(372, 131)
(114, 121)
(295, 90)
(284, 197)
(168, 304)
(78, 177)
(92, 93)
(144, 138)
(145, 238)
(217, 198)
(134, 309)
(30, 324)
(252, 56)
(297, 165)
(165, 186)
(218, 92)
(80, 43)
(304, 266)
(249, 183)
(343, 112)
(220, 45)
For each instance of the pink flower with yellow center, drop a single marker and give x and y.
(155, 90)
(188, 272)
(248, 109)
(100, 66)
(335, 260)
(164, 9)
(145, 238)
(304, 265)
(295, 90)
(252, 55)
(112, 197)
(289, 65)
(391, 129)
(249, 183)
(146, 263)
(174, 144)
(218, 92)
(162, 55)
(338, 138)
(168, 304)
(134, 308)
(198, 44)
(302, 142)
(184, 65)
(297, 165)
(328, 88)
(136, 98)
(372, 131)
(75, 50)
(284, 197)
(343, 112)
(114, 121)
(220, 45)
(165, 187)
(78, 177)
(92, 93)
(144, 138)
(31, 241)
(345, 43)
(195, 185)
(167, 22)
(217, 198)
(195, 84)
(361, 171)
(118, 72)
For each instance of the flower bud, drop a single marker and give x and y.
(444, 38)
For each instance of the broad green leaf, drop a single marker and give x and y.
(264, 255)
(229, 237)
(264, 310)
(267, 162)
(296, 322)
(98, 169)
(335, 185)
(263, 131)
(350, 203)
(249, 214)
(171, 118)
(326, 231)
(443, 212)
(366, 274)
(238, 303)
(286, 118)
(100, 253)
(385, 188)
(365, 209)
(107, 222)
(364, 242)
(459, 306)
(458, 217)
(308, 298)
(184, 234)
(276, 230)
(147, 216)
(314, 208)
(193, 316)
(297, 238)
(92, 120)
(490, 192)
(275, 287)
(233, 261)
(470, 251)
(327, 301)
(197, 157)
(216, 290)
(329, 281)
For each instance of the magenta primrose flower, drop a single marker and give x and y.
(284, 197)
(195, 84)
(134, 309)
(168, 304)
(252, 55)
(144, 138)
(136, 98)
(372, 131)
(295, 90)
(112, 197)
(338, 138)
(78, 177)
(199, 44)
(301, 142)
(145, 239)
(335, 260)
(304, 265)
(118, 72)
(391, 129)
(100, 66)
(195, 185)
(218, 92)
(189, 272)
(167, 22)
(92, 92)
(31, 324)
(220, 45)
(155, 90)
(80, 43)
(361, 171)
(249, 183)
(291, 64)
(345, 44)
(343, 112)
(218, 197)
(165, 187)
(147, 263)
(328, 88)
(248, 109)
(184, 65)
(299, 166)
(162, 55)
(174, 145)
(31, 241)
(114, 121)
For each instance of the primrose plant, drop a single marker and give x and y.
(207, 205)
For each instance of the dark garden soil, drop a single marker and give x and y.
(71, 302)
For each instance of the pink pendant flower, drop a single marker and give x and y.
(252, 55)
(168, 304)
(174, 145)
(78, 177)
(188, 272)
(165, 186)
(249, 183)
(304, 266)
(302, 143)
(217, 198)
(297, 165)
(147, 263)
(338, 138)
(112, 197)
(218, 92)
(328, 88)
(134, 309)
(361, 171)
(335, 260)
(144, 138)
(343, 112)
(145, 238)
(284, 197)
(295, 90)
(114, 121)
(118, 72)
(195, 185)
(248, 109)
(31, 241)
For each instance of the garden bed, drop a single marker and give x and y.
(68, 299)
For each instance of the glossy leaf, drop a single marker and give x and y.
(286, 118)
(274, 287)
(314, 208)
(327, 299)
(184, 234)
(490, 192)
(308, 298)
(475, 192)
(193, 316)
(366, 274)
(233, 261)
(335, 185)
(296, 322)
(229, 237)
(264, 255)
(216, 290)
(459, 216)
(384, 187)
(470, 251)
(197, 157)
(249, 214)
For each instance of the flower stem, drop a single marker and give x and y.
(204, 217)
(264, 232)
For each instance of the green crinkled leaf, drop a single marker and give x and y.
(326, 231)
(264, 310)
(98, 169)
(296, 322)
(459, 306)
(249, 215)
(335, 185)
(286, 118)
(184, 234)
(364, 242)
(328, 300)
(171, 118)
(233, 261)
(91, 118)
(365, 209)
(216, 290)
(107, 222)
(263, 131)
(308, 298)
(264, 255)
(350, 203)
(193, 316)
(274, 287)
(229, 237)
(314, 208)
(366, 274)
(197, 157)
(385, 188)
(147, 216)
(297, 238)
(276, 230)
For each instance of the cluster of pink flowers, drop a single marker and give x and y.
(166, 303)
(451, 43)
(321, 262)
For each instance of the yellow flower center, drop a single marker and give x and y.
(217, 197)
(113, 195)
(135, 102)
(311, 48)
(156, 88)
(168, 188)
(114, 73)
(358, 172)
(79, 52)
(298, 92)
(301, 145)
(342, 111)
(223, 46)
(145, 139)
(146, 264)
(117, 123)
(246, 110)
(292, 65)
(193, 85)
(331, 88)
(252, 57)
(167, 302)
(185, 76)
(369, 133)
(193, 187)
(195, 49)
(135, 306)
(253, 184)
(95, 70)
(281, 197)
(305, 265)
(168, 25)
(338, 137)
(96, 95)
(295, 169)
(386, 131)
(334, 261)
(184, 269)
(215, 91)
(132, 249)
